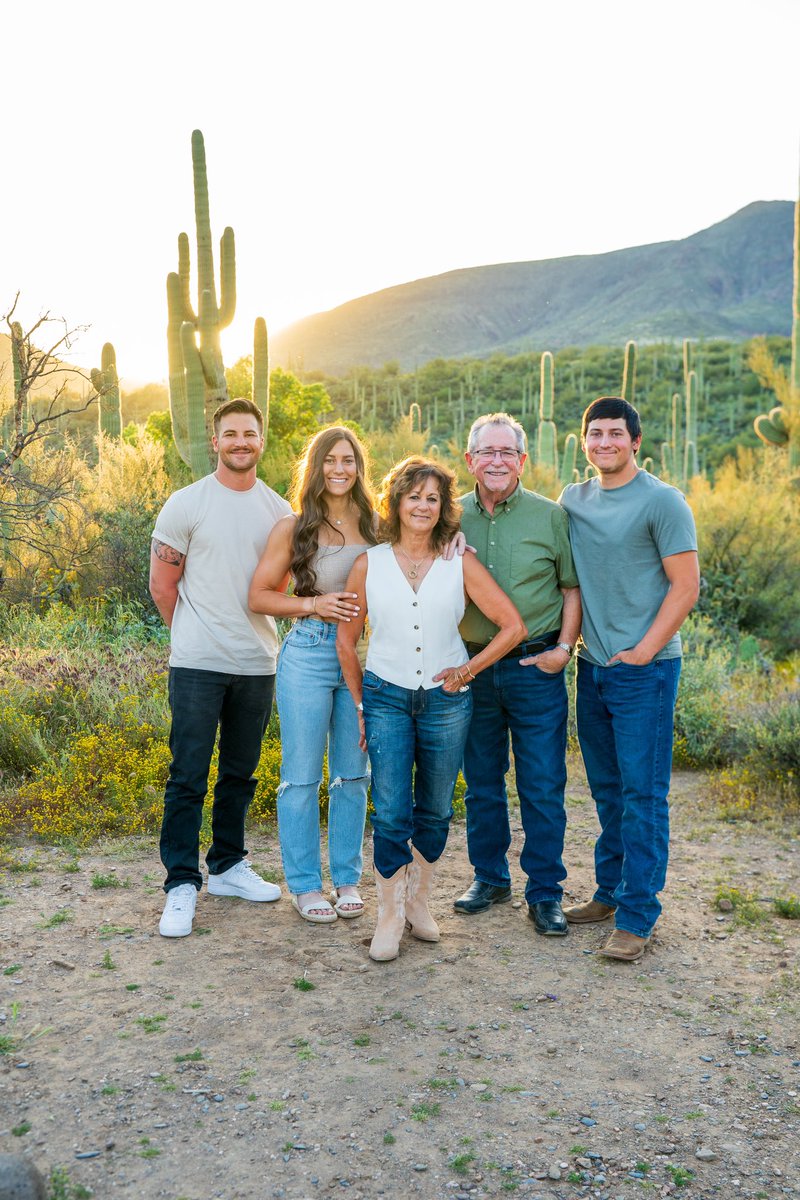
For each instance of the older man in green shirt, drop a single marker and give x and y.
(522, 539)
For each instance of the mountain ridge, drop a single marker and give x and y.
(732, 279)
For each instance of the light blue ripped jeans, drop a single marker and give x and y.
(316, 710)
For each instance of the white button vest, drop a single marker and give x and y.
(413, 635)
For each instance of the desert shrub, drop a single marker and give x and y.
(705, 733)
(129, 487)
(22, 746)
(108, 782)
(748, 527)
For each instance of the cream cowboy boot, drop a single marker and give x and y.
(385, 943)
(418, 892)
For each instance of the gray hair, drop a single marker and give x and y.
(498, 418)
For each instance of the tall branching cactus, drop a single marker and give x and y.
(546, 439)
(105, 382)
(781, 426)
(196, 371)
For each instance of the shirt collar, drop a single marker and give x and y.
(505, 505)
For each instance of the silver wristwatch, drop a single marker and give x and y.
(565, 646)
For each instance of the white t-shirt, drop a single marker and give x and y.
(223, 534)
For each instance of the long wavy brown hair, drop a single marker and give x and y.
(402, 479)
(307, 497)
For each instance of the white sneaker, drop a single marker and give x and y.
(242, 881)
(176, 919)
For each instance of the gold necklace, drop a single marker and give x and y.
(415, 566)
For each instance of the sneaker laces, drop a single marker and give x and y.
(180, 897)
(244, 868)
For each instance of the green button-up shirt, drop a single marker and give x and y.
(524, 544)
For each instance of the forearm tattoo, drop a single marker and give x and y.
(167, 554)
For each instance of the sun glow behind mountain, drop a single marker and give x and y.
(356, 146)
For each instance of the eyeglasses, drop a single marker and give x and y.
(487, 454)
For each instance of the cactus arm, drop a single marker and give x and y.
(178, 402)
(771, 428)
(185, 275)
(199, 448)
(205, 257)
(261, 370)
(227, 276)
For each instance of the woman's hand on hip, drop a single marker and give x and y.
(454, 679)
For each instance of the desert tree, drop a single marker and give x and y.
(43, 528)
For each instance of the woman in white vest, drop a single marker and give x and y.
(413, 699)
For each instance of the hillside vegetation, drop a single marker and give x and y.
(733, 280)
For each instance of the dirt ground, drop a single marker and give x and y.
(495, 1062)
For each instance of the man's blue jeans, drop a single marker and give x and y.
(317, 710)
(202, 702)
(415, 741)
(531, 707)
(625, 718)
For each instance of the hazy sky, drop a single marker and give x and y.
(353, 145)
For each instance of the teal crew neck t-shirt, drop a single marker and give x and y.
(619, 537)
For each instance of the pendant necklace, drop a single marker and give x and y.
(415, 566)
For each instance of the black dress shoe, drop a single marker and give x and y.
(548, 918)
(480, 896)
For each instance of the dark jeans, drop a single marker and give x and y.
(530, 707)
(202, 702)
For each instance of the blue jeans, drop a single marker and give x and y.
(415, 741)
(625, 718)
(316, 710)
(531, 707)
(202, 702)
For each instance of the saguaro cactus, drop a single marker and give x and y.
(629, 374)
(569, 472)
(781, 426)
(679, 454)
(196, 370)
(105, 382)
(547, 440)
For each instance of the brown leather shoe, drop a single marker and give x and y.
(588, 913)
(627, 947)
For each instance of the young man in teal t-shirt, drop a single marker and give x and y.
(635, 550)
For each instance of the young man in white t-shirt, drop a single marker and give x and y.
(207, 542)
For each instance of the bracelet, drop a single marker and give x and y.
(313, 604)
(469, 671)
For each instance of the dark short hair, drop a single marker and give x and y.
(402, 479)
(612, 406)
(239, 405)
